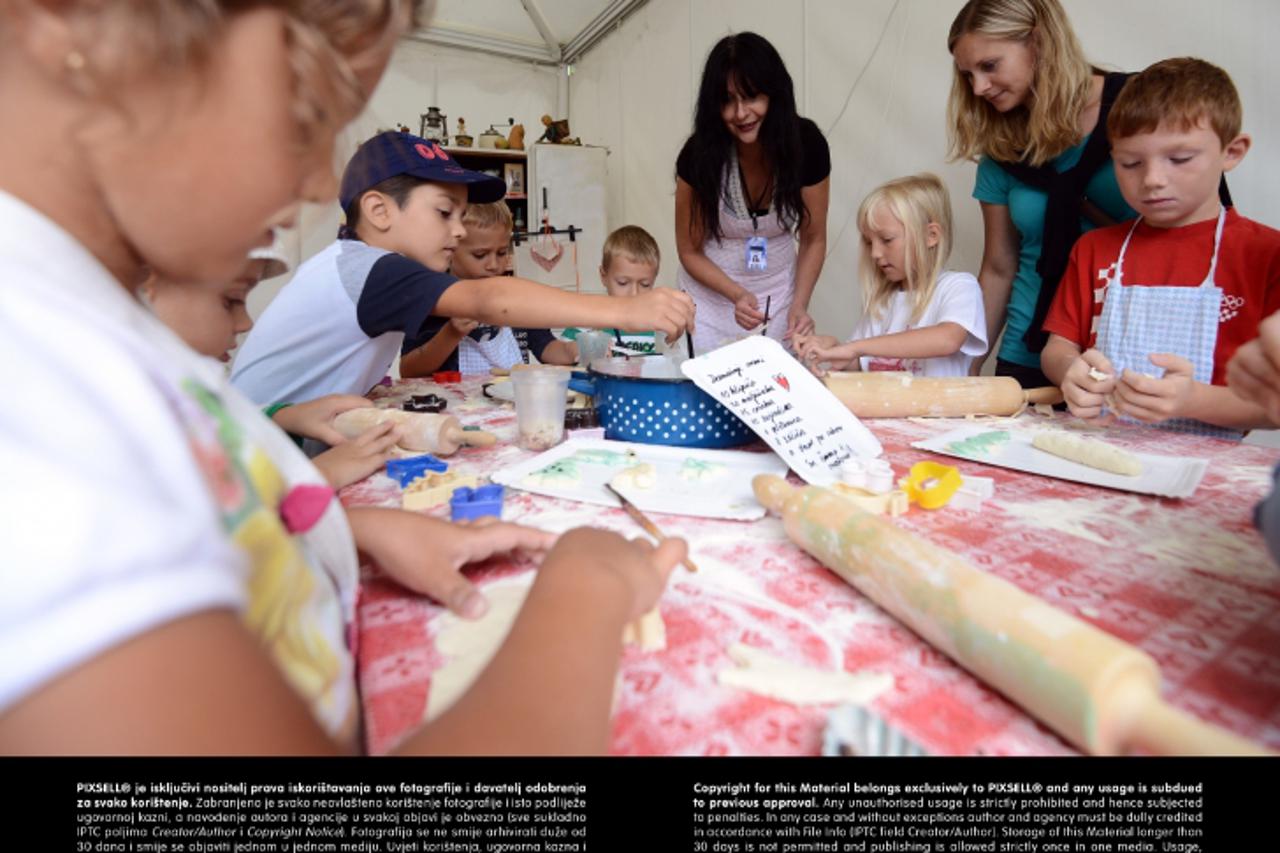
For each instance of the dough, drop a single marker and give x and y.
(1098, 375)
(642, 476)
(982, 444)
(763, 673)
(648, 632)
(611, 458)
(1089, 451)
(469, 644)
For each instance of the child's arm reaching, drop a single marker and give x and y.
(936, 341)
(426, 359)
(1254, 371)
(314, 419)
(506, 301)
(357, 458)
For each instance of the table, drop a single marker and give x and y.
(1189, 581)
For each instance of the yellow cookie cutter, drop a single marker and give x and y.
(931, 484)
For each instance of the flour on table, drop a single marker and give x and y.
(763, 673)
(1086, 518)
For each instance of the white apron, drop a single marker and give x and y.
(1138, 320)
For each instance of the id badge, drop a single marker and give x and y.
(757, 253)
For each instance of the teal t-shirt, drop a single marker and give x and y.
(638, 342)
(1026, 207)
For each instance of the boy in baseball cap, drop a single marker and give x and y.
(337, 327)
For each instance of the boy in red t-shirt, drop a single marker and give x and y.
(1185, 285)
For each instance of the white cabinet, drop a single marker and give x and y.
(568, 183)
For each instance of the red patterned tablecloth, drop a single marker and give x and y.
(1187, 581)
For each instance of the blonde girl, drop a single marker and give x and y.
(1027, 105)
(917, 316)
(160, 597)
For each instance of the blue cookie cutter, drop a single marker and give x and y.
(405, 471)
(468, 503)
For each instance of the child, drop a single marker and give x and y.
(175, 609)
(465, 345)
(628, 267)
(209, 318)
(1253, 374)
(338, 325)
(918, 316)
(1178, 289)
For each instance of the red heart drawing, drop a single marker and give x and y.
(781, 379)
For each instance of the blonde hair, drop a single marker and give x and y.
(1181, 93)
(327, 40)
(492, 215)
(915, 201)
(634, 242)
(1048, 124)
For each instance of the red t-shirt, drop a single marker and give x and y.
(1248, 273)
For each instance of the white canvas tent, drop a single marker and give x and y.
(873, 74)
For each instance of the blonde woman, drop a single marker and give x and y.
(918, 316)
(1028, 106)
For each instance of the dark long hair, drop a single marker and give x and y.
(754, 67)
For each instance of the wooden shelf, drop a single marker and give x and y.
(491, 153)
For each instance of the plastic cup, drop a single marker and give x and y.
(593, 344)
(540, 394)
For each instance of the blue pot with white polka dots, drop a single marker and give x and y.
(650, 401)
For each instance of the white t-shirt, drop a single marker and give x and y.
(139, 488)
(956, 299)
(337, 326)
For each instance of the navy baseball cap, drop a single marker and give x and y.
(393, 153)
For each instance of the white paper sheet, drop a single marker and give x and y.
(786, 405)
(725, 491)
(1166, 476)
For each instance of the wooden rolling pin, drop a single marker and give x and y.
(425, 433)
(1097, 691)
(900, 395)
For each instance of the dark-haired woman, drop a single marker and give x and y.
(752, 184)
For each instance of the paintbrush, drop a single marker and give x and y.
(764, 330)
(643, 520)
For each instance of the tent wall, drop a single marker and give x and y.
(634, 93)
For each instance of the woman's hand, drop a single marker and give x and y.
(315, 419)
(746, 311)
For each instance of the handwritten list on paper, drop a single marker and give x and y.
(785, 405)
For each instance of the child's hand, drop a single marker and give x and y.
(1084, 394)
(1152, 400)
(463, 326)
(356, 459)
(315, 419)
(806, 343)
(746, 311)
(426, 554)
(1254, 371)
(824, 356)
(798, 321)
(662, 309)
(643, 567)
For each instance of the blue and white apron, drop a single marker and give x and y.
(1138, 320)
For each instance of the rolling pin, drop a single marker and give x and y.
(1097, 691)
(425, 433)
(900, 395)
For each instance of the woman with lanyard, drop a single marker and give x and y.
(751, 179)
(1027, 104)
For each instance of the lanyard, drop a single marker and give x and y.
(753, 204)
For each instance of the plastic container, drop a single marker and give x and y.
(540, 394)
(593, 344)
